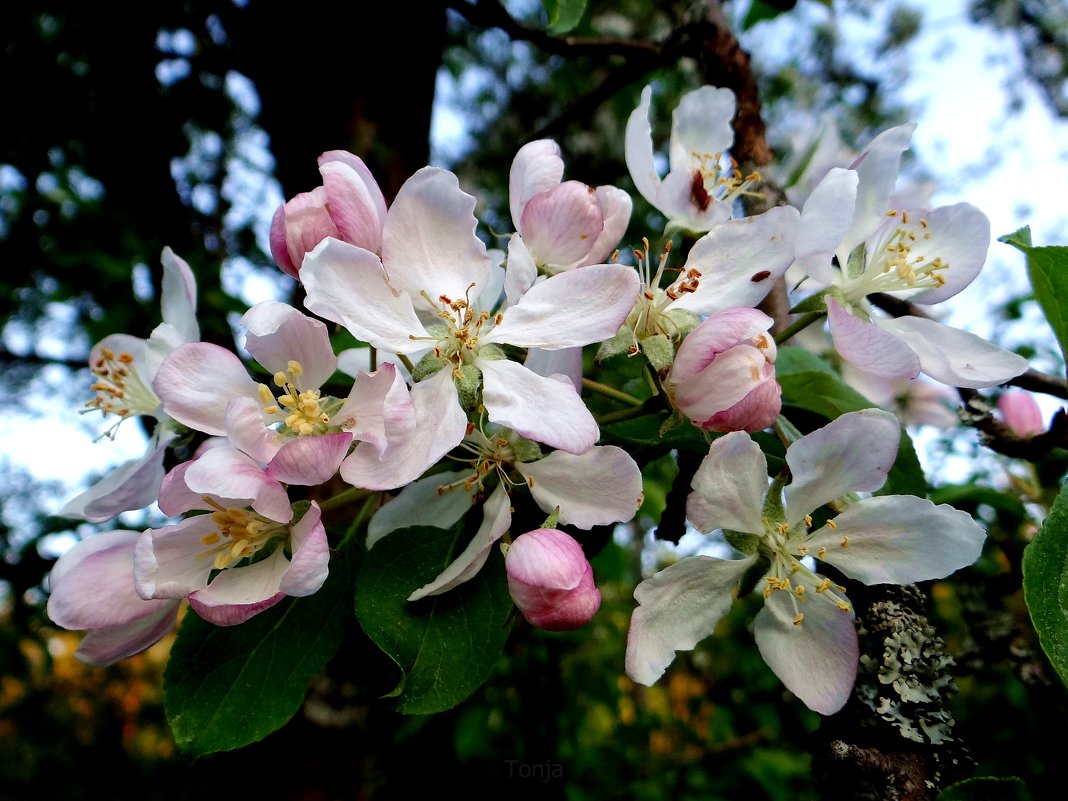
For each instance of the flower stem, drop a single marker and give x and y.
(797, 325)
(654, 404)
(344, 497)
(610, 392)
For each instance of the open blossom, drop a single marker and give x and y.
(433, 264)
(550, 580)
(92, 589)
(290, 425)
(698, 191)
(559, 225)
(919, 255)
(248, 515)
(723, 377)
(805, 629)
(348, 206)
(124, 368)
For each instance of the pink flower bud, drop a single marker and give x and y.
(551, 581)
(348, 206)
(1021, 413)
(723, 377)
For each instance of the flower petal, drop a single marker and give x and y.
(638, 149)
(542, 409)
(677, 608)
(817, 658)
(598, 487)
(960, 237)
(168, 561)
(196, 382)
(701, 123)
(825, 218)
(237, 594)
(868, 346)
(536, 168)
(348, 285)
(729, 486)
(955, 357)
(309, 461)
(227, 473)
(899, 539)
(616, 207)
(877, 169)
(852, 453)
(573, 308)
(178, 296)
(496, 517)
(107, 645)
(421, 503)
(309, 566)
(354, 199)
(522, 272)
(278, 334)
(560, 226)
(729, 378)
(429, 242)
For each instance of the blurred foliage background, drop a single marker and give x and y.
(185, 123)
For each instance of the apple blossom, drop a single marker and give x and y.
(206, 557)
(805, 629)
(124, 367)
(550, 580)
(923, 256)
(698, 191)
(723, 376)
(433, 263)
(348, 206)
(1020, 413)
(92, 588)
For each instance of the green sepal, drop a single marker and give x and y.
(467, 384)
(813, 303)
(857, 261)
(526, 450)
(552, 519)
(684, 320)
(428, 366)
(621, 342)
(742, 541)
(659, 350)
(774, 510)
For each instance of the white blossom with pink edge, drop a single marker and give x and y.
(550, 580)
(699, 189)
(433, 264)
(560, 225)
(248, 512)
(919, 255)
(92, 590)
(723, 376)
(124, 368)
(348, 206)
(805, 630)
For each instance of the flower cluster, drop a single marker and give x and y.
(475, 391)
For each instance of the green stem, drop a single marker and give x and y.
(654, 404)
(407, 363)
(797, 325)
(610, 392)
(345, 497)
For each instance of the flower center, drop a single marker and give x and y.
(303, 413)
(239, 533)
(897, 259)
(119, 389)
(712, 182)
(463, 326)
(649, 316)
(786, 547)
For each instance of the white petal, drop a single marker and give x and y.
(601, 486)
(740, 260)
(566, 362)
(638, 147)
(236, 594)
(537, 167)
(825, 219)
(868, 346)
(496, 517)
(309, 566)
(729, 486)
(960, 237)
(701, 124)
(522, 272)
(169, 562)
(816, 659)
(852, 453)
(877, 168)
(542, 409)
(178, 296)
(570, 309)
(679, 607)
(421, 504)
(348, 285)
(278, 333)
(953, 356)
(429, 242)
(899, 539)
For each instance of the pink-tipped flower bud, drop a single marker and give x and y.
(723, 377)
(348, 206)
(1021, 413)
(551, 580)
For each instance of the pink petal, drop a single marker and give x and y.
(311, 555)
(279, 246)
(109, 644)
(868, 346)
(715, 335)
(309, 461)
(723, 383)
(178, 296)
(561, 225)
(277, 334)
(196, 382)
(354, 199)
(616, 207)
(227, 473)
(536, 168)
(1021, 413)
(755, 412)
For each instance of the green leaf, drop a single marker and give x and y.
(986, 788)
(1045, 584)
(759, 11)
(445, 645)
(811, 384)
(646, 431)
(564, 15)
(226, 687)
(1047, 267)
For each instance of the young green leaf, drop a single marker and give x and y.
(1045, 584)
(564, 15)
(1047, 268)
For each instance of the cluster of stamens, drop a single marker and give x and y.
(112, 371)
(491, 455)
(711, 182)
(304, 413)
(239, 534)
(649, 316)
(785, 565)
(464, 328)
(895, 267)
